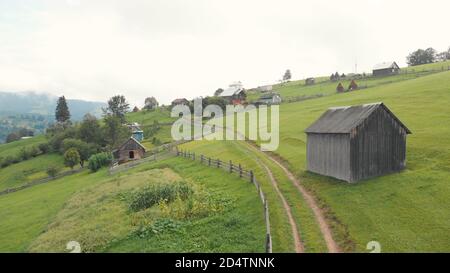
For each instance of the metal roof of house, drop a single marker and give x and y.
(385, 65)
(230, 91)
(341, 120)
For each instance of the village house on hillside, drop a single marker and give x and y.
(130, 150)
(180, 101)
(310, 81)
(234, 94)
(357, 142)
(136, 131)
(385, 69)
(269, 99)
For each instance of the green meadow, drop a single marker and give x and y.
(225, 213)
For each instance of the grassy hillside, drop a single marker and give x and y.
(13, 148)
(94, 209)
(27, 171)
(405, 211)
(325, 87)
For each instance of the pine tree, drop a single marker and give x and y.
(62, 113)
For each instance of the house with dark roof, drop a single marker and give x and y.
(180, 101)
(129, 151)
(353, 143)
(385, 69)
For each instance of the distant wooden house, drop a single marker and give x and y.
(130, 150)
(234, 94)
(269, 99)
(357, 142)
(385, 69)
(180, 101)
(310, 81)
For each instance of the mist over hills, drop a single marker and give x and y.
(36, 111)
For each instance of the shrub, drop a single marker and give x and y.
(34, 151)
(71, 158)
(99, 160)
(52, 171)
(24, 154)
(44, 148)
(152, 195)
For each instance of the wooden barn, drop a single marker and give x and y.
(234, 94)
(130, 150)
(386, 69)
(357, 142)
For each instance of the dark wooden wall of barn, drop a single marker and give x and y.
(329, 154)
(378, 147)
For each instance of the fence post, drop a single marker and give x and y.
(252, 177)
(209, 161)
(231, 166)
(240, 170)
(218, 163)
(201, 158)
(193, 155)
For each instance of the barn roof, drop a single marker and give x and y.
(134, 140)
(385, 65)
(341, 120)
(230, 91)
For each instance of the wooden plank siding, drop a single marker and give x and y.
(377, 147)
(329, 154)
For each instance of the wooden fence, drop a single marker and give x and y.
(237, 169)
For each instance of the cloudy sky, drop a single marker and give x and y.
(93, 49)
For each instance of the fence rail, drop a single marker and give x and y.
(230, 167)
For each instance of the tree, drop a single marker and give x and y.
(71, 158)
(287, 75)
(218, 92)
(62, 113)
(114, 131)
(151, 103)
(90, 130)
(12, 137)
(117, 107)
(443, 56)
(84, 149)
(421, 56)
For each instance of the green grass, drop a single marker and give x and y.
(324, 87)
(239, 153)
(144, 118)
(13, 148)
(91, 208)
(29, 170)
(239, 228)
(405, 211)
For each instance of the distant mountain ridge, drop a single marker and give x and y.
(44, 104)
(36, 111)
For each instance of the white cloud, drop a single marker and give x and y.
(95, 49)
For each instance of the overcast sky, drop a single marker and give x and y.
(93, 49)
